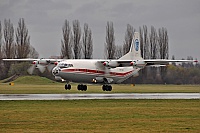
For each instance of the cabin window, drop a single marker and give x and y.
(65, 65)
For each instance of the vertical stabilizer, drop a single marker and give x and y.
(134, 52)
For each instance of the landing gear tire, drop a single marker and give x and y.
(82, 87)
(67, 87)
(107, 88)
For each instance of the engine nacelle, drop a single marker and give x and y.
(102, 80)
(55, 63)
(111, 64)
(34, 63)
(138, 64)
(43, 62)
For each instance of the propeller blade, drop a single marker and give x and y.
(31, 69)
(41, 68)
(106, 72)
(50, 67)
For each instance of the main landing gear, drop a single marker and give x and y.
(107, 87)
(82, 87)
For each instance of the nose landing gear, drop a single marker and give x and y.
(67, 87)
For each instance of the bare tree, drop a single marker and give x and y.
(76, 39)
(0, 43)
(141, 42)
(87, 42)
(153, 42)
(110, 41)
(128, 38)
(153, 52)
(66, 51)
(1, 65)
(8, 46)
(145, 43)
(22, 40)
(163, 43)
(163, 49)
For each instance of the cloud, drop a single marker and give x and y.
(45, 18)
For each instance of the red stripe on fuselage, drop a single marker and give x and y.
(97, 72)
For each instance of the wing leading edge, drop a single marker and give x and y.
(150, 62)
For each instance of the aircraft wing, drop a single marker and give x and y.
(27, 59)
(142, 63)
(40, 60)
(165, 61)
(41, 64)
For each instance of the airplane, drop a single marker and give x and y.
(99, 71)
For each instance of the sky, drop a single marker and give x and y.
(45, 18)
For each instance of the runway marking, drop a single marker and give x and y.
(100, 96)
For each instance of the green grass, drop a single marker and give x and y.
(36, 85)
(100, 116)
(34, 80)
(59, 88)
(97, 115)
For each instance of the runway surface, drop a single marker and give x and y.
(100, 96)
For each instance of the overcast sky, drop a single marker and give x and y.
(45, 18)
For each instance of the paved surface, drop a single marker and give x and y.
(100, 96)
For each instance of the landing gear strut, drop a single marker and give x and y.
(67, 87)
(82, 87)
(107, 88)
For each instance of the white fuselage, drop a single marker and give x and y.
(92, 71)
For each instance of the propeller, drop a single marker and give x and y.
(106, 71)
(106, 66)
(41, 68)
(109, 65)
(31, 69)
(41, 65)
(50, 67)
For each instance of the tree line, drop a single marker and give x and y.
(14, 43)
(174, 74)
(72, 47)
(77, 43)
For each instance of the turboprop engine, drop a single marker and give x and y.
(138, 64)
(41, 65)
(111, 64)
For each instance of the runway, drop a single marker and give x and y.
(100, 96)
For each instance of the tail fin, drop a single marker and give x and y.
(134, 52)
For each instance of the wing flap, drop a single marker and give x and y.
(164, 62)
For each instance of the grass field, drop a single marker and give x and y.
(59, 88)
(100, 116)
(97, 115)
(36, 85)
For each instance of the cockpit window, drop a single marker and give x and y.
(65, 65)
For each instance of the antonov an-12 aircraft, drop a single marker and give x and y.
(99, 71)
